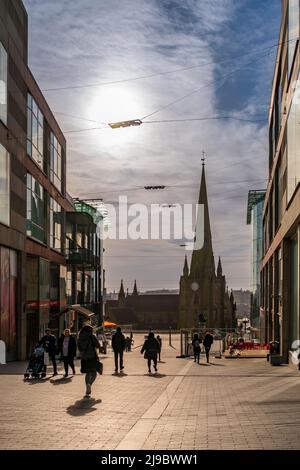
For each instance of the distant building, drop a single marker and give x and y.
(255, 219)
(143, 311)
(242, 299)
(203, 291)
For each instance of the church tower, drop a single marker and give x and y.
(202, 290)
(121, 296)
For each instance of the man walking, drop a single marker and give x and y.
(207, 342)
(118, 344)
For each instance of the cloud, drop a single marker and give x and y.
(94, 41)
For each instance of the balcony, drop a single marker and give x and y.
(81, 258)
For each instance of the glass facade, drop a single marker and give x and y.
(3, 84)
(55, 224)
(4, 186)
(55, 162)
(35, 132)
(35, 209)
(293, 145)
(257, 255)
(8, 300)
(293, 29)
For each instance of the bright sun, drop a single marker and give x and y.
(113, 104)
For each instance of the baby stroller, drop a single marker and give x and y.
(36, 367)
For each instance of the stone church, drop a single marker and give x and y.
(204, 297)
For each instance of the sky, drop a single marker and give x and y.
(169, 60)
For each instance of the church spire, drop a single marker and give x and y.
(203, 260)
(185, 268)
(121, 291)
(219, 268)
(135, 291)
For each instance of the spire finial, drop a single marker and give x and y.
(203, 158)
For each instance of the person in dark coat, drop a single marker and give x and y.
(207, 342)
(88, 345)
(160, 345)
(48, 342)
(118, 343)
(67, 349)
(151, 349)
(196, 347)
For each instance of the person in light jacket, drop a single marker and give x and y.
(88, 345)
(67, 349)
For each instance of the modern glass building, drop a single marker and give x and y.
(255, 218)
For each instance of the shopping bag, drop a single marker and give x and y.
(99, 367)
(46, 359)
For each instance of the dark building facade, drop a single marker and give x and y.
(33, 194)
(36, 256)
(203, 292)
(280, 308)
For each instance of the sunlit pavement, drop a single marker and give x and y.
(229, 404)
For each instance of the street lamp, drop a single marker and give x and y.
(132, 122)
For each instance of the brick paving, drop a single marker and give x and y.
(230, 404)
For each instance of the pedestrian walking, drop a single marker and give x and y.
(118, 343)
(196, 343)
(88, 345)
(128, 343)
(151, 350)
(207, 342)
(48, 342)
(67, 349)
(160, 346)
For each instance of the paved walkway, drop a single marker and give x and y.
(230, 404)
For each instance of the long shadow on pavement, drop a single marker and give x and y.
(155, 376)
(83, 406)
(36, 381)
(62, 381)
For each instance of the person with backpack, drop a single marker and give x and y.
(197, 348)
(207, 342)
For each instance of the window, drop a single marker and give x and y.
(55, 164)
(4, 187)
(3, 84)
(35, 132)
(55, 224)
(293, 144)
(293, 31)
(35, 209)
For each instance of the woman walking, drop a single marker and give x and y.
(87, 345)
(151, 348)
(196, 346)
(67, 350)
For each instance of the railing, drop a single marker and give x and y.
(251, 346)
(81, 256)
